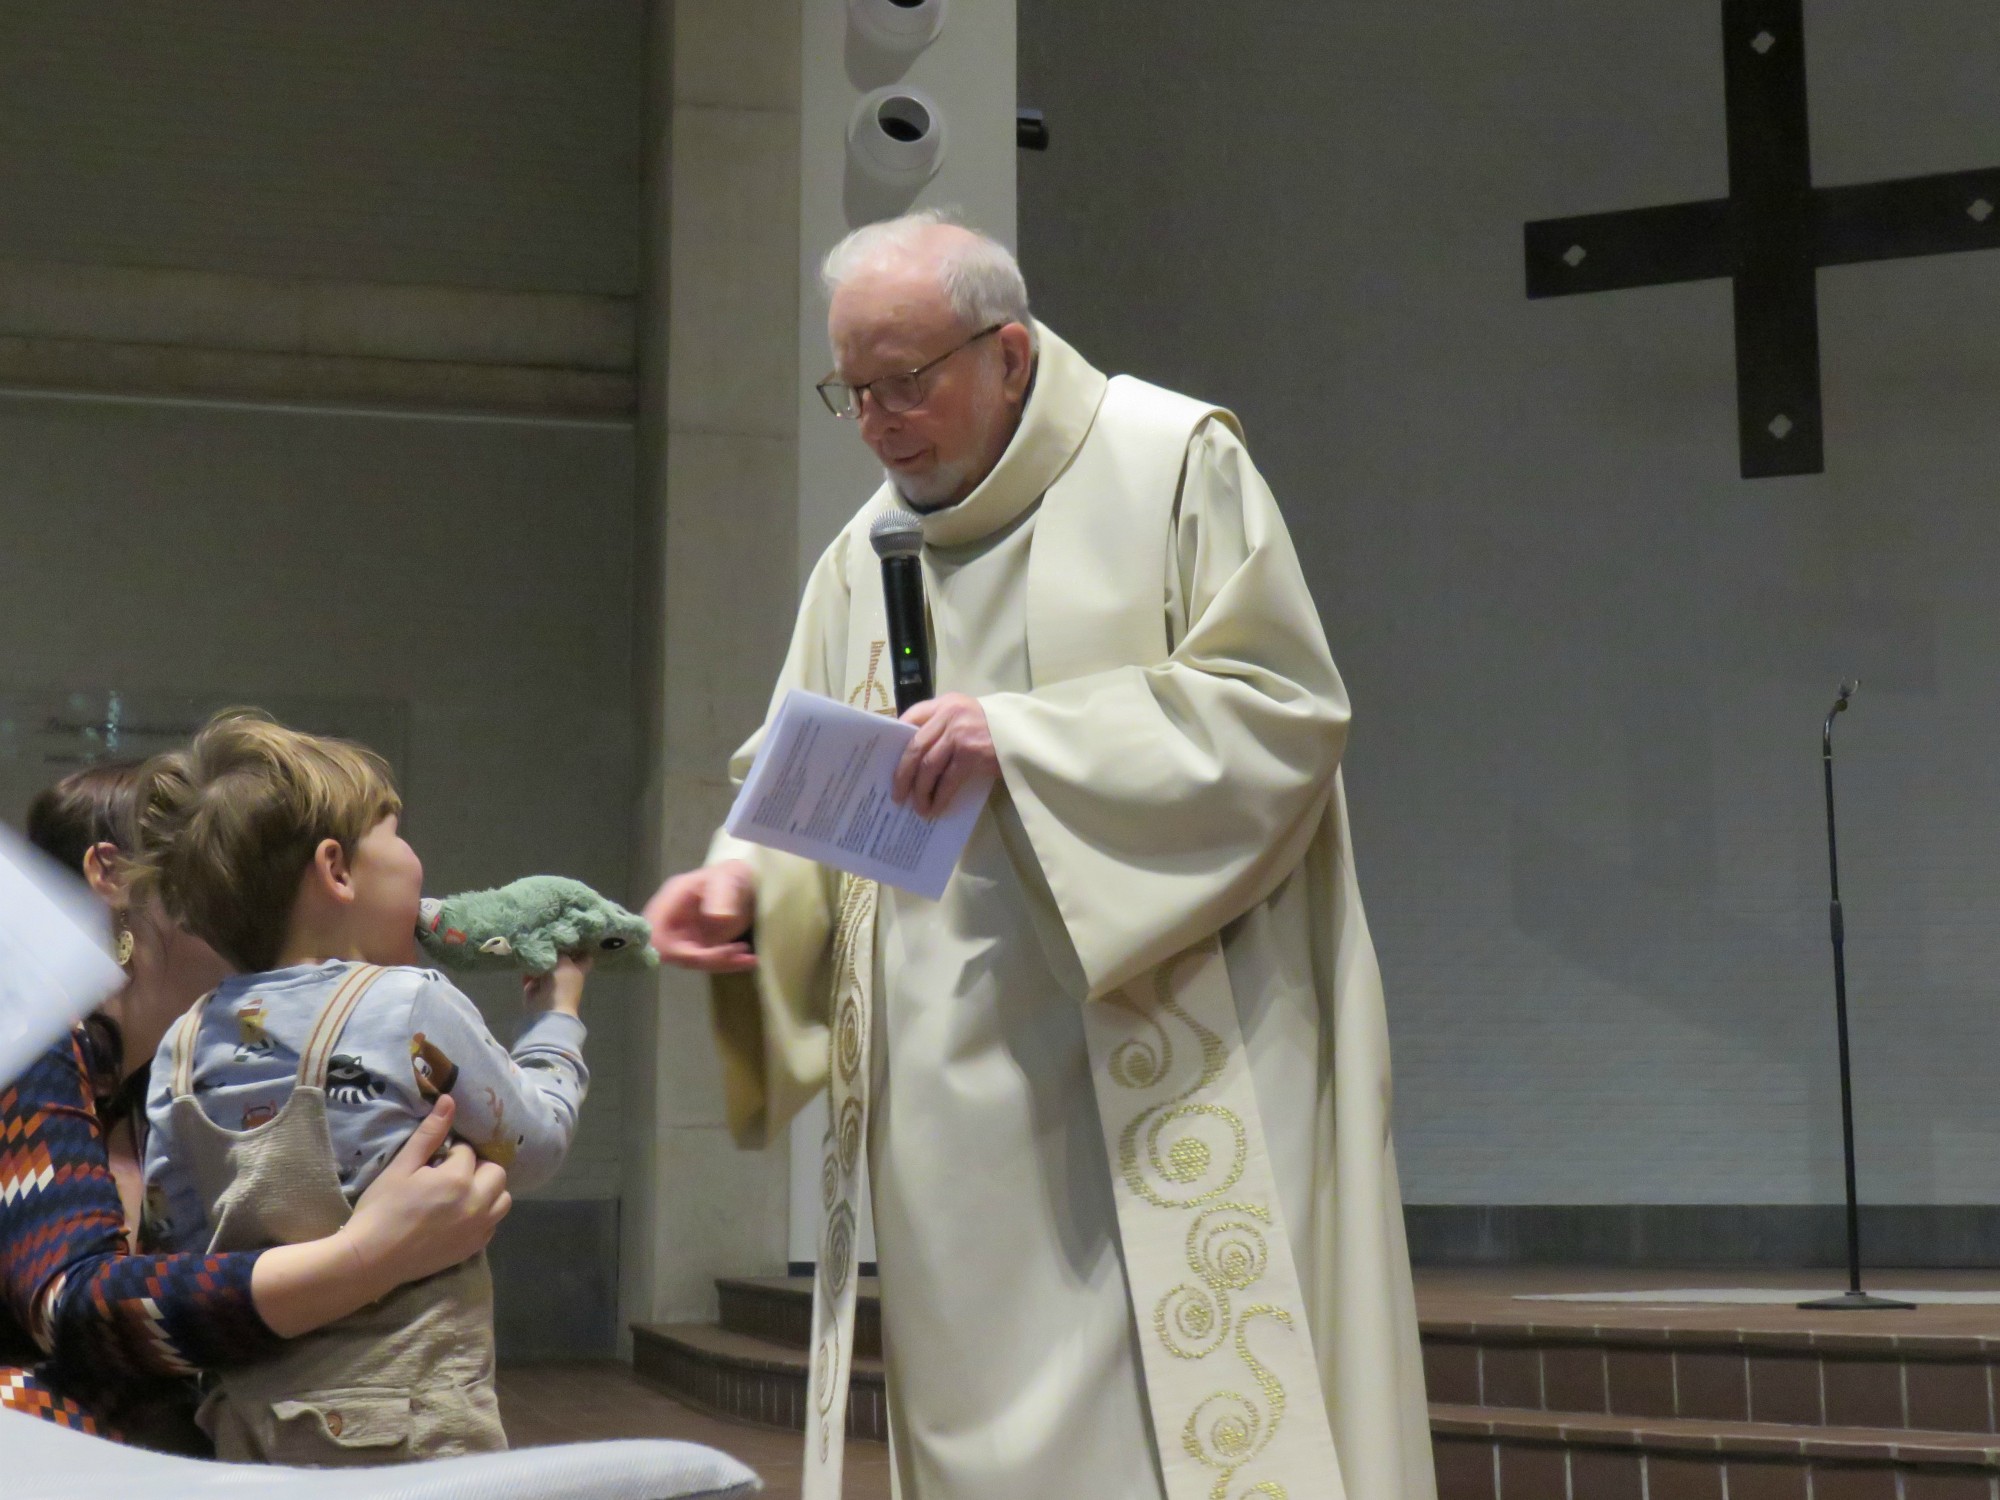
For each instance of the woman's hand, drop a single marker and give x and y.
(415, 1219)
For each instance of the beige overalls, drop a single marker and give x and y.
(408, 1377)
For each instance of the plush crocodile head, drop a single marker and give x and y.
(529, 924)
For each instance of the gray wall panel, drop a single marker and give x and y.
(465, 142)
(1589, 661)
(477, 573)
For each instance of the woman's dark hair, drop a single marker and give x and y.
(97, 805)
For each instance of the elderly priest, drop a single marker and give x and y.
(1124, 1090)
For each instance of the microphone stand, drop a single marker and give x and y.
(1853, 1297)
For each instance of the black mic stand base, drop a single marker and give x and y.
(1854, 1302)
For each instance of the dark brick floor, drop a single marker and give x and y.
(574, 1403)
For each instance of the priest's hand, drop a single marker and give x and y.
(953, 745)
(701, 920)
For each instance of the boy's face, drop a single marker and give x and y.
(388, 883)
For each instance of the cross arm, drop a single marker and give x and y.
(1934, 215)
(1633, 247)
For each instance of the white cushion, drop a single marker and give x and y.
(41, 1461)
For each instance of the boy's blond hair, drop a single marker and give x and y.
(228, 827)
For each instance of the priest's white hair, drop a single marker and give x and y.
(979, 275)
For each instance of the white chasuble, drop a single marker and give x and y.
(1135, 1204)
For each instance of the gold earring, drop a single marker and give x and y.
(123, 952)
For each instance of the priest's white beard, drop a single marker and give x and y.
(946, 484)
(938, 489)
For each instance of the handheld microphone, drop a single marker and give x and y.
(898, 539)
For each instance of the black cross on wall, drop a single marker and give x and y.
(1770, 236)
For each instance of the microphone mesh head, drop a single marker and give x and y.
(897, 533)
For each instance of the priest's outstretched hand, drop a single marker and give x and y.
(953, 745)
(701, 920)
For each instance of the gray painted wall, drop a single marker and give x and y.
(1588, 661)
(490, 143)
(479, 573)
(476, 575)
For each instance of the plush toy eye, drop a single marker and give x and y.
(611, 944)
(498, 946)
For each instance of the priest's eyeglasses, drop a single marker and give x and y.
(895, 394)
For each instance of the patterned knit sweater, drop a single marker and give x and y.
(93, 1336)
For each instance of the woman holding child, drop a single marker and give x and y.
(100, 1337)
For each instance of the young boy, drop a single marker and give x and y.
(277, 1099)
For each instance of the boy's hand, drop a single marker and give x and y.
(561, 990)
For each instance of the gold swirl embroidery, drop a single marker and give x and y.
(824, 1359)
(847, 1038)
(1230, 1254)
(857, 905)
(1204, 1170)
(852, 1127)
(1192, 1321)
(837, 1250)
(1229, 1429)
(1186, 1152)
(1209, 1146)
(829, 1181)
(1134, 1064)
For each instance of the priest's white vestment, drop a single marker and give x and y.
(1122, 597)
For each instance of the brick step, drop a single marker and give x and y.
(752, 1379)
(1489, 1453)
(1807, 1377)
(779, 1308)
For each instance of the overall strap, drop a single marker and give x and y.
(317, 1053)
(185, 1032)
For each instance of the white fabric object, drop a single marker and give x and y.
(47, 1462)
(55, 954)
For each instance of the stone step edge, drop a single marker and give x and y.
(780, 1310)
(1921, 1347)
(742, 1351)
(1685, 1436)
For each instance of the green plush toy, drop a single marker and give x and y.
(531, 923)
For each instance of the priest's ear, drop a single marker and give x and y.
(1017, 354)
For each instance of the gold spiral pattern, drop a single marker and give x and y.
(847, 1038)
(824, 1359)
(1185, 1149)
(1194, 1154)
(837, 1253)
(829, 1182)
(1227, 1247)
(853, 1125)
(1139, 1062)
(1192, 1321)
(1224, 1432)
(1229, 1429)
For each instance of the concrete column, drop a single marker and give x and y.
(745, 478)
(961, 81)
(719, 425)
